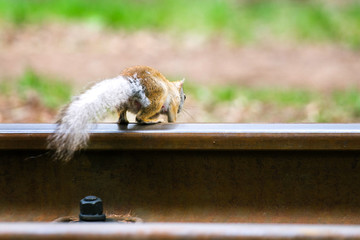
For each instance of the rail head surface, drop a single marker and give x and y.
(194, 136)
(175, 231)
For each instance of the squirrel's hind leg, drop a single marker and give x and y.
(122, 116)
(149, 120)
(147, 116)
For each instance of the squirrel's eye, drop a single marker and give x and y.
(184, 97)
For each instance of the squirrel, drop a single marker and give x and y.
(141, 90)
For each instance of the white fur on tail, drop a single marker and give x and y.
(73, 126)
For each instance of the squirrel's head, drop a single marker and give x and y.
(182, 96)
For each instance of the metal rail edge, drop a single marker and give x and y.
(176, 231)
(197, 136)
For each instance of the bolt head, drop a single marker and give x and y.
(91, 209)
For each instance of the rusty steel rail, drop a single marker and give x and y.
(241, 181)
(176, 231)
(195, 136)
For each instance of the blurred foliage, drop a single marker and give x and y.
(51, 92)
(5, 87)
(306, 105)
(349, 100)
(220, 102)
(279, 96)
(243, 21)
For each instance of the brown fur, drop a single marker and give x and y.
(158, 90)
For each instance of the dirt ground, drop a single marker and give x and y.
(83, 54)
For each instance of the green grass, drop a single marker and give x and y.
(278, 96)
(348, 100)
(270, 104)
(52, 93)
(243, 21)
(5, 88)
(336, 106)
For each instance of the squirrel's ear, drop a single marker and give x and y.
(180, 83)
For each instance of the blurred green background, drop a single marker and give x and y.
(241, 21)
(244, 61)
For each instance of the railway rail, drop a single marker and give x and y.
(236, 181)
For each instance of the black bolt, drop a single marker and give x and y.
(91, 209)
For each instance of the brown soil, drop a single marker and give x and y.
(84, 54)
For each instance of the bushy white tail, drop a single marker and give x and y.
(73, 126)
